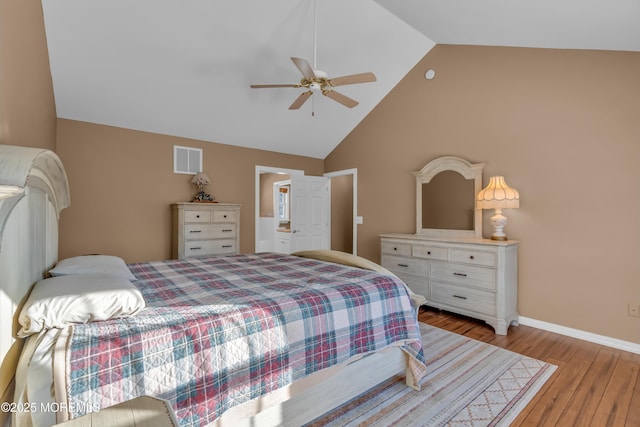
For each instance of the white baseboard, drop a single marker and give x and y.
(583, 335)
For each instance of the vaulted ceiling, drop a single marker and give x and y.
(183, 67)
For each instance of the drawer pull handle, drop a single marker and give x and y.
(395, 249)
(196, 248)
(227, 246)
(197, 216)
(224, 216)
(195, 231)
(428, 252)
(460, 297)
(403, 265)
(471, 257)
(460, 274)
(227, 231)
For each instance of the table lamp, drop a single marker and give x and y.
(200, 180)
(498, 195)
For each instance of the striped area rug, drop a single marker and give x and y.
(470, 383)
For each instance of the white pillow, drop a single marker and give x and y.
(57, 302)
(93, 264)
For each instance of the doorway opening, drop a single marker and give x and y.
(264, 213)
(344, 209)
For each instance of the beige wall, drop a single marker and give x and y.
(342, 213)
(27, 109)
(563, 127)
(122, 185)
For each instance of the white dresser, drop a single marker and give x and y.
(205, 229)
(474, 277)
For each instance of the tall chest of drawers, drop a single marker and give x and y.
(205, 229)
(474, 277)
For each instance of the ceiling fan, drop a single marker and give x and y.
(318, 81)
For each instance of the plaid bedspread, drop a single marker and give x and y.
(220, 331)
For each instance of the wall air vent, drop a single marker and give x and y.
(187, 160)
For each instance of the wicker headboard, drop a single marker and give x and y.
(33, 191)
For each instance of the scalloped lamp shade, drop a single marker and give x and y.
(498, 195)
(201, 178)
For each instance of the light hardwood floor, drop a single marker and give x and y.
(594, 385)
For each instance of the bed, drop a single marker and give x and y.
(259, 339)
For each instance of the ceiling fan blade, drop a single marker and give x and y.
(304, 67)
(342, 99)
(300, 100)
(276, 85)
(353, 79)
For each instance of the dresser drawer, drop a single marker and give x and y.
(402, 249)
(418, 284)
(464, 275)
(282, 246)
(469, 299)
(431, 252)
(224, 216)
(401, 265)
(197, 216)
(474, 257)
(208, 231)
(209, 247)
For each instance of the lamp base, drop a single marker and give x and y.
(201, 196)
(498, 221)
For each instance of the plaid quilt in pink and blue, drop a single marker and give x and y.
(220, 331)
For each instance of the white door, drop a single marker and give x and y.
(310, 213)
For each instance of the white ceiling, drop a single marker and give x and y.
(183, 67)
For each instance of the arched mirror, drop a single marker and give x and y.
(446, 191)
